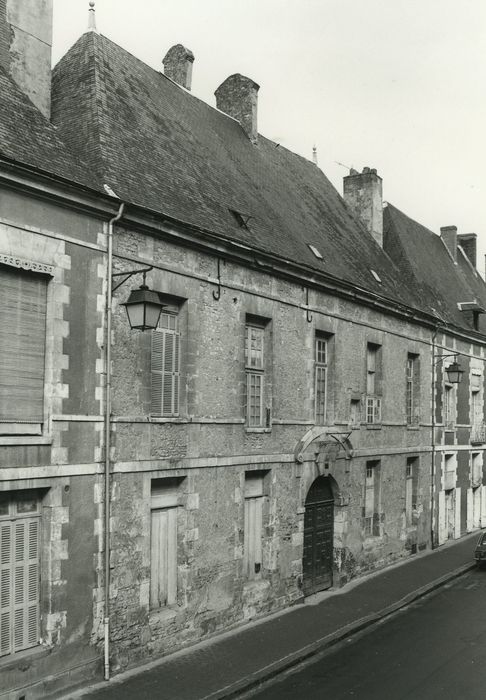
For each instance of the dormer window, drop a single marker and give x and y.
(316, 252)
(241, 219)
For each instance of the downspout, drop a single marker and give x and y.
(107, 544)
(432, 469)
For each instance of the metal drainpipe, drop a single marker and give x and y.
(432, 470)
(109, 297)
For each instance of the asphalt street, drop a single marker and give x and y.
(435, 648)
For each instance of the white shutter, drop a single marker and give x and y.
(252, 545)
(483, 506)
(163, 569)
(457, 513)
(442, 519)
(5, 588)
(26, 584)
(470, 510)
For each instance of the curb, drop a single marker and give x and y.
(305, 654)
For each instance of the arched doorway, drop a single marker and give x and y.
(317, 560)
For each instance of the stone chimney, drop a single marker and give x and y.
(449, 238)
(25, 47)
(178, 65)
(363, 193)
(238, 97)
(468, 242)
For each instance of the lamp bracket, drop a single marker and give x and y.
(129, 273)
(441, 358)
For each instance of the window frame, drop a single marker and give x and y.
(255, 375)
(321, 369)
(374, 379)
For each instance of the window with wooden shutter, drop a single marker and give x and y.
(372, 499)
(253, 525)
(165, 365)
(22, 349)
(19, 574)
(163, 542)
(163, 557)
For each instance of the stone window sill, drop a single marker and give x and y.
(373, 426)
(22, 659)
(164, 614)
(25, 439)
(258, 430)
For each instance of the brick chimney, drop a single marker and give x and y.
(25, 47)
(363, 193)
(468, 242)
(448, 235)
(178, 65)
(238, 97)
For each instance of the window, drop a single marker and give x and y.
(478, 433)
(412, 390)
(355, 412)
(320, 380)
(373, 383)
(254, 500)
(166, 366)
(163, 542)
(22, 350)
(449, 405)
(19, 571)
(411, 476)
(372, 492)
(255, 375)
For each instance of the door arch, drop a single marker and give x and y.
(317, 560)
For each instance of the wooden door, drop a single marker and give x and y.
(318, 537)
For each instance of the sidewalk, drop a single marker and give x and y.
(236, 661)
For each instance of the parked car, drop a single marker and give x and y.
(480, 551)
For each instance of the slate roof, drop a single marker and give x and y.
(428, 267)
(28, 138)
(118, 121)
(160, 147)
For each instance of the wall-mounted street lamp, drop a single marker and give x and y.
(453, 371)
(143, 305)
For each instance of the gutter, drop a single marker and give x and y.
(107, 543)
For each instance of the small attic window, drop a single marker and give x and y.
(376, 276)
(316, 252)
(241, 219)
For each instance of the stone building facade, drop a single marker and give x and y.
(286, 428)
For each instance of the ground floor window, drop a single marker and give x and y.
(165, 494)
(253, 526)
(19, 571)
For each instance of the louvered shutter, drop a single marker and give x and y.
(165, 371)
(26, 584)
(22, 345)
(5, 588)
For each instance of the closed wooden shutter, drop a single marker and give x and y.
(5, 588)
(19, 600)
(165, 367)
(22, 345)
(252, 545)
(163, 558)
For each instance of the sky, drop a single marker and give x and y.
(397, 85)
